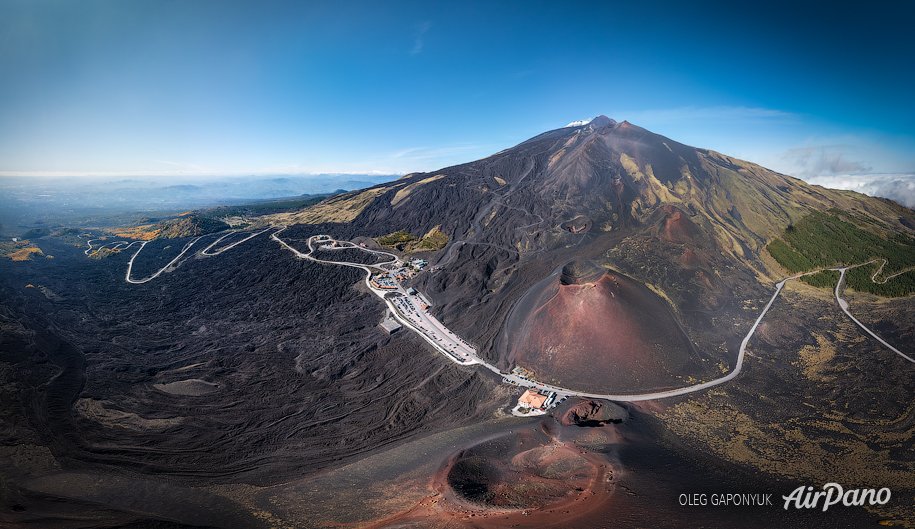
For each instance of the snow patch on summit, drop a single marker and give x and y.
(579, 123)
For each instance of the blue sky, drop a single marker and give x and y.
(207, 87)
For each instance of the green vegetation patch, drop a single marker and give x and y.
(823, 279)
(35, 233)
(396, 239)
(787, 257)
(860, 279)
(434, 239)
(826, 239)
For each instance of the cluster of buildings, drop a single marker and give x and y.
(383, 282)
(409, 269)
(533, 399)
(403, 273)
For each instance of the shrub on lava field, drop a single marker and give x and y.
(396, 239)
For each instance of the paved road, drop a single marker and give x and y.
(687, 389)
(891, 276)
(844, 306)
(164, 268)
(407, 310)
(118, 245)
(123, 245)
(404, 307)
(459, 351)
(206, 251)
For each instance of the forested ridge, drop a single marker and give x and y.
(825, 239)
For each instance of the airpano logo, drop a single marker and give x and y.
(804, 497)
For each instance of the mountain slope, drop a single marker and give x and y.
(616, 174)
(691, 225)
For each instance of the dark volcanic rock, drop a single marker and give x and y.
(301, 375)
(594, 413)
(614, 193)
(601, 121)
(297, 378)
(579, 272)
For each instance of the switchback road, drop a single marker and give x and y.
(408, 310)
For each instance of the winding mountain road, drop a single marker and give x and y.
(408, 310)
(206, 251)
(891, 276)
(415, 319)
(844, 306)
(159, 272)
(446, 342)
(118, 245)
(124, 245)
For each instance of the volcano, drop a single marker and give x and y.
(245, 386)
(602, 330)
(600, 255)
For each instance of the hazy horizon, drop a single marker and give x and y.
(29, 202)
(187, 89)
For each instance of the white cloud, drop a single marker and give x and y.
(825, 160)
(429, 153)
(419, 37)
(898, 187)
(850, 164)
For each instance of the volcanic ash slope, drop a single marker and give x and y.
(597, 330)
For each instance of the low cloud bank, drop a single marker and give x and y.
(898, 187)
(819, 160)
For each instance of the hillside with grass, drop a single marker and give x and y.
(829, 239)
(434, 239)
